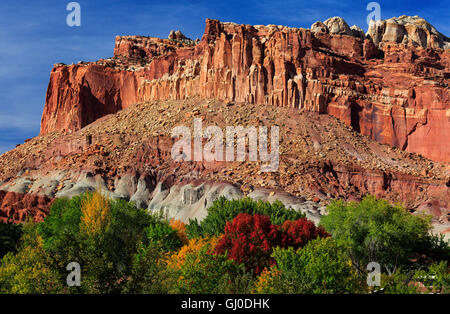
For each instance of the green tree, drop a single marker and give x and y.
(375, 231)
(10, 235)
(63, 221)
(29, 271)
(164, 234)
(319, 267)
(149, 274)
(203, 272)
(106, 254)
(399, 282)
(435, 279)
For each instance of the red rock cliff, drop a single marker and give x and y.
(394, 90)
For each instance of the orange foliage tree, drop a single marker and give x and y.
(176, 260)
(180, 227)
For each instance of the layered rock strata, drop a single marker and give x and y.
(391, 84)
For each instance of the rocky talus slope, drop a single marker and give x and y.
(128, 155)
(338, 96)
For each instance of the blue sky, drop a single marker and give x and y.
(34, 35)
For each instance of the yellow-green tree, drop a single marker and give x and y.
(94, 213)
(30, 270)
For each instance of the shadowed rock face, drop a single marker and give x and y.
(386, 86)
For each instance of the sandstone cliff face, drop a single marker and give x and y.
(80, 94)
(393, 91)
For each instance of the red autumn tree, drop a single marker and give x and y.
(250, 239)
(299, 232)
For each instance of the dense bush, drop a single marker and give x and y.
(224, 210)
(180, 227)
(63, 221)
(195, 268)
(250, 239)
(375, 231)
(319, 267)
(30, 269)
(28, 272)
(299, 232)
(121, 239)
(149, 272)
(95, 213)
(123, 249)
(9, 237)
(435, 279)
(203, 272)
(165, 235)
(100, 234)
(177, 259)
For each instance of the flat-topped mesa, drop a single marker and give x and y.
(397, 94)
